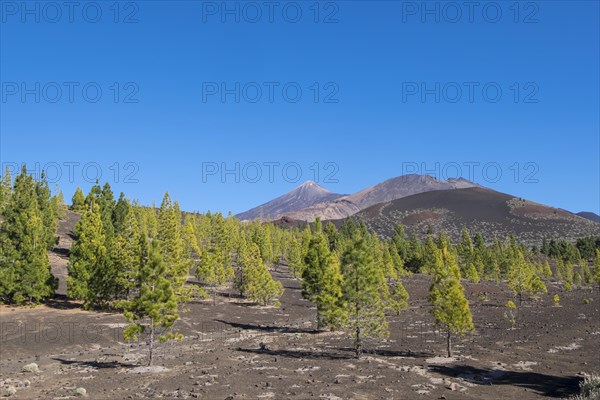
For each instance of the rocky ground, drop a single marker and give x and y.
(236, 350)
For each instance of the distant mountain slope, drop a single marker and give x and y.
(391, 189)
(493, 213)
(589, 215)
(306, 195)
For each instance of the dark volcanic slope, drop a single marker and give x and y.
(306, 195)
(589, 215)
(493, 213)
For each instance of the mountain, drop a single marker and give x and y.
(391, 189)
(589, 215)
(480, 209)
(306, 195)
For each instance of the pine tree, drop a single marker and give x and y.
(321, 273)
(596, 275)
(78, 201)
(243, 264)
(397, 261)
(387, 263)
(5, 188)
(471, 273)
(260, 285)
(175, 252)
(398, 300)
(316, 262)
(214, 269)
(429, 259)
(361, 293)
(450, 307)
(58, 204)
(546, 271)
(88, 259)
(331, 311)
(522, 280)
(295, 261)
(124, 255)
(47, 211)
(120, 212)
(154, 306)
(25, 274)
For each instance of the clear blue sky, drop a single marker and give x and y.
(371, 58)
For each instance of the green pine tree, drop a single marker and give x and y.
(47, 211)
(596, 275)
(175, 251)
(78, 201)
(260, 286)
(361, 293)
(88, 261)
(295, 261)
(25, 274)
(153, 309)
(450, 307)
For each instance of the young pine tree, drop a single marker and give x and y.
(321, 281)
(522, 280)
(361, 293)
(260, 286)
(295, 262)
(596, 275)
(47, 211)
(176, 255)
(214, 269)
(154, 306)
(78, 201)
(24, 266)
(5, 188)
(450, 307)
(88, 259)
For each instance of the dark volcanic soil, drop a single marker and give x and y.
(237, 350)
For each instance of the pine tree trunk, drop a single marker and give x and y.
(151, 343)
(449, 343)
(358, 342)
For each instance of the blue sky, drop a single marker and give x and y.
(385, 89)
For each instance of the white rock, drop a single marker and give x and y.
(33, 367)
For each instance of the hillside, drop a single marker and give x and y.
(391, 189)
(493, 213)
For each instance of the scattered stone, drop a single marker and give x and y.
(81, 392)
(33, 367)
(9, 391)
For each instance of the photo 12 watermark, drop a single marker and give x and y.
(454, 12)
(272, 12)
(475, 171)
(76, 171)
(469, 92)
(270, 92)
(70, 12)
(269, 171)
(69, 92)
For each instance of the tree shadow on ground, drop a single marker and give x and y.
(313, 355)
(546, 385)
(95, 364)
(389, 353)
(61, 252)
(269, 328)
(61, 302)
(344, 353)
